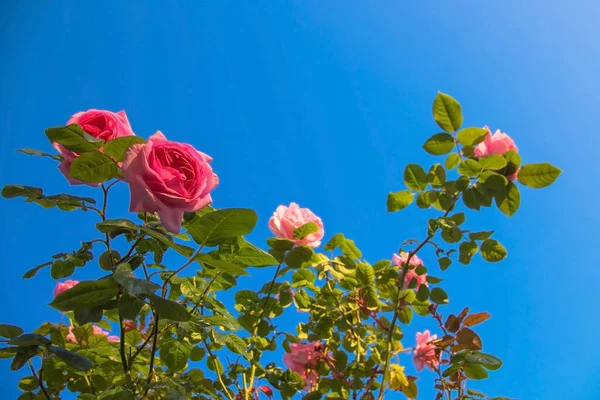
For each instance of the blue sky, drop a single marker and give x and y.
(323, 103)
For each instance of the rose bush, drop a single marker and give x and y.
(175, 334)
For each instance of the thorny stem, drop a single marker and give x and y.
(399, 300)
(39, 378)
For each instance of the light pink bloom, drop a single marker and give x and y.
(425, 354)
(101, 124)
(496, 144)
(168, 178)
(286, 219)
(96, 330)
(411, 274)
(62, 286)
(303, 359)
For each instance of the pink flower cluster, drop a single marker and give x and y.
(496, 145)
(303, 359)
(415, 261)
(286, 219)
(424, 353)
(165, 177)
(96, 330)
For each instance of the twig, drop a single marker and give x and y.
(154, 340)
(39, 378)
(219, 373)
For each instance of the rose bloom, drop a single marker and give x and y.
(168, 178)
(101, 124)
(286, 219)
(496, 144)
(61, 287)
(424, 353)
(96, 330)
(411, 274)
(303, 359)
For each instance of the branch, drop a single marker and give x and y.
(39, 378)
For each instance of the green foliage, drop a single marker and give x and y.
(447, 112)
(440, 143)
(93, 167)
(86, 294)
(538, 175)
(415, 177)
(399, 200)
(471, 136)
(73, 138)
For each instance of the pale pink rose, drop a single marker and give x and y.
(168, 178)
(496, 144)
(400, 260)
(101, 124)
(424, 353)
(62, 286)
(96, 330)
(286, 219)
(303, 359)
(411, 274)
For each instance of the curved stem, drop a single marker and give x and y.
(153, 350)
(219, 373)
(39, 378)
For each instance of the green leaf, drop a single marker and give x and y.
(365, 274)
(471, 136)
(280, 244)
(405, 315)
(73, 138)
(480, 235)
(439, 144)
(169, 309)
(34, 152)
(470, 200)
(303, 276)
(469, 168)
(119, 223)
(399, 200)
(130, 306)
(298, 256)
(415, 177)
(488, 361)
(31, 273)
(305, 230)
(349, 249)
(236, 345)
(86, 294)
(452, 161)
(29, 339)
(466, 251)
(493, 162)
(62, 269)
(445, 263)
(451, 370)
(492, 250)
(10, 331)
(168, 241)
(335, 241)
(538, 175)
(492, 182)
(88, 315)
(210, 228)
(35, 195)
(93, 167)
(509, 200)
(72, 359)
(436, 176)
(133, 285)
(252, 256)
(22, 356)
(423, 293)
(28, 384)
(174, 354)
(475, 371)
(221, 265)
(117, 148)
(438, 296)
(447, 112)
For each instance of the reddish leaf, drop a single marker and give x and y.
(266, 390)
(452, 323)
(470, 339)
(477, 318)
(463, 314)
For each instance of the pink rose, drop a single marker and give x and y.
(425, 354)
(286, 219)
(303, 359)
(61, 287)
(96, 330)
(168, 178)
(411, 274)
(496, 144)
(101, 124)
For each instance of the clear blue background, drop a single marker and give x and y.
(323, 103)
